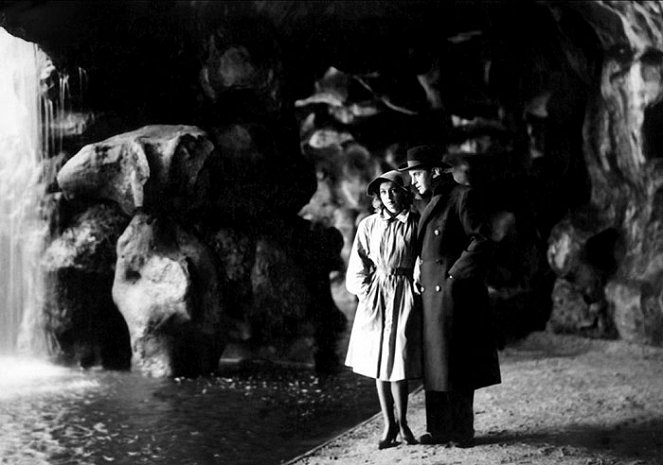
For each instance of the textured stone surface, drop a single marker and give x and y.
(88, 244)
(82, 322)
(571, 313)
(166, 288)
(637, 310)
(343, 173)
(553, 105)
(141, 169)
(625, 178)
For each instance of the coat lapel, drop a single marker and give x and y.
(442, 190)
(425, 215)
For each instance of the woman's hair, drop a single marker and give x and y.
(408, 198)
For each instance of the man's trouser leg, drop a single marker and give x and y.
(462, 415)
(438, 415)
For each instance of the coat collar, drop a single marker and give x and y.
(402, 216)
(441, 189)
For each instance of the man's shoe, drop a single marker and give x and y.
(462, 443)
(429, 438)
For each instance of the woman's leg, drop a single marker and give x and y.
(399, 391)
(387, 408)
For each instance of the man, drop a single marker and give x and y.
(459, 351)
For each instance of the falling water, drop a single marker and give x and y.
(24, 142)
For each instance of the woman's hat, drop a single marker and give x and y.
(400, 179)
(424, 157)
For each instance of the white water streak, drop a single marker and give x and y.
(24, 141)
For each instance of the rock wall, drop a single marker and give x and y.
(254, 115)
(611, 251)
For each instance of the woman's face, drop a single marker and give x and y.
(392, 197)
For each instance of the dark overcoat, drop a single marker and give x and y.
(459, 346)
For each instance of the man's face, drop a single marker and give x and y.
(422, 180)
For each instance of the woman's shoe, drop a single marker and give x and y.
(406, 434)
(389, 437)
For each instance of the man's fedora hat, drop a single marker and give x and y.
(424, 157)
(399, 179)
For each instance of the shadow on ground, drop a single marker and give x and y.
(632, 442)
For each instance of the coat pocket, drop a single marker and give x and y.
(369, 310)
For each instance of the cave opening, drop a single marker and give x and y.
(296, 108)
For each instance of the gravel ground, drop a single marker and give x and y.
(563, 400)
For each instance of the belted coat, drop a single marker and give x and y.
(459, 349)
(385, 341)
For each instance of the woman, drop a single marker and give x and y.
(385, 342)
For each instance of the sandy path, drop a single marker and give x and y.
(563, 400)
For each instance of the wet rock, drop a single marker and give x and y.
(82, 322)
(154, 167)
(83, 325)
(166, 288)
(88, 244)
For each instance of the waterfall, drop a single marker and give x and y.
(25, 138)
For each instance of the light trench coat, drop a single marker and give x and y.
(385, 342)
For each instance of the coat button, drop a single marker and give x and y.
(438, 288)
(436, 232)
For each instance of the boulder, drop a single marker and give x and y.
(573, 314)
(583, 254)
(82, 322)
(160, 168)
(166, 288)
(636, 306)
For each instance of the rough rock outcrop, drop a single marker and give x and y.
(81, 318)
(154, 167)
(618, 257)
(508, 96)
(340, 201)
(277, 297)
(166, 288)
